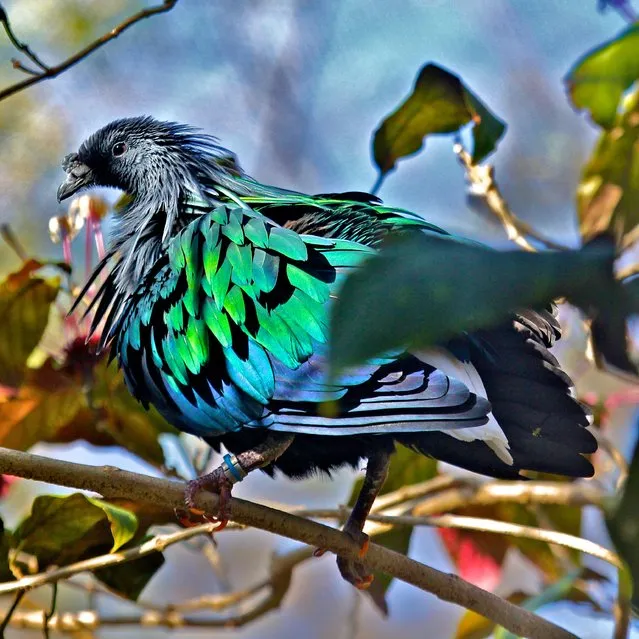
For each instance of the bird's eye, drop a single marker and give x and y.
(118, 149)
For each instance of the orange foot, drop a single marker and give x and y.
(319, 552)
(191, 517)
(214, 482)
(353, 570)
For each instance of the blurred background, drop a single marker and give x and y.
(296, 89)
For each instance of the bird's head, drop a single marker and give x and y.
(142, 155)
(160, 164)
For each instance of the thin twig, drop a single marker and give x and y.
(10, 612)
(21, 46)
(414, 491)
(16, 64)
(619, 461)
(622, 607)
(87, 620)
(622, 610)
(472, 493)
(173, 615)
(481, 178)
(156, 544)
(49, 615)
(49, 72)
(505, 528)
(7, 234)
(213, 603)
(579, 493)
(116, 483)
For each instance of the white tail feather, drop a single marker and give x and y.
(491, 433)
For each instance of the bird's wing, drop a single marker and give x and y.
(536, 423)
(353, 215)
(232, 333)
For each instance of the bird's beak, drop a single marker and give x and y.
(78, 176)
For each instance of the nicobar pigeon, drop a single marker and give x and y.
(215, 301)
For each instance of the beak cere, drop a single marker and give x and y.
(79, 175)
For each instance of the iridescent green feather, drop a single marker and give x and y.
(287, 243)
(234, 305)
(304, 281)
(265, 270)
(226, 266)
(217, 322)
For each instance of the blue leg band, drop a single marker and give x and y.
(232, 467)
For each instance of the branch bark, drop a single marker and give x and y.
(113, 482)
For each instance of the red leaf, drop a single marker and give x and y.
(5, 484)
(478, 556)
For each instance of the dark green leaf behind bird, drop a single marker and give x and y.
(216, 300)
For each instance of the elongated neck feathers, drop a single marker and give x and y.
(192, 167)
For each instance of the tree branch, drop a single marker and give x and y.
(505, 528)
(74, 622)
(579, 493)
(116, 483)
(48, 72)
(173, 615)
(481, 178)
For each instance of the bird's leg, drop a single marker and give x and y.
(352, 570)
(232, 470)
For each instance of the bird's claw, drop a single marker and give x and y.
(191, 517)
(352, 570)
(364, 583)
(214, 482)
(355, 572)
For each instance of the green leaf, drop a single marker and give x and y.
(130, 579)
(64, 529)
(407, 468)
(439, 103)
(538, 552)
(623, 524)
(441, 287)
(598, 81)
(123, 523)
(608, 195)
(25, 301)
